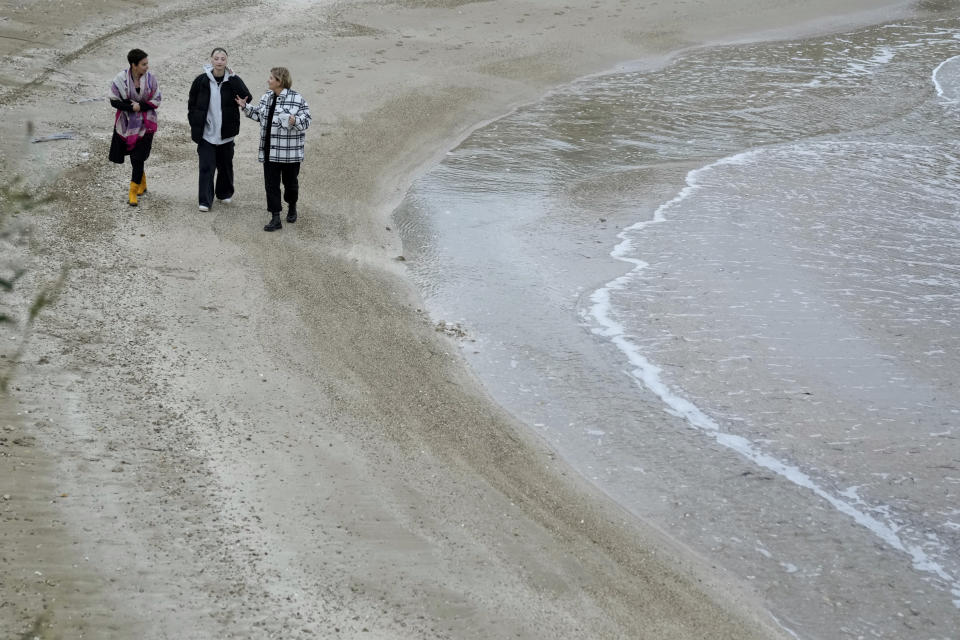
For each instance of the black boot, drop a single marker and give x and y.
(274, 223)
(292, 213)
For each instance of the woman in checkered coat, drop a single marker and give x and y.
(284, 117)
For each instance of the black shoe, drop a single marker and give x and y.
(292, 213)
(274, 223)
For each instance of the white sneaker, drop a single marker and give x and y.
(204, 207)
(225, 200)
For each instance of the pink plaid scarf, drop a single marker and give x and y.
(131, 125)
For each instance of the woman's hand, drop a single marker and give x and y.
(240, 101)
(136, 106)
(293, 120)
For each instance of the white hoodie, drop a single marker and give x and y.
(211, 130)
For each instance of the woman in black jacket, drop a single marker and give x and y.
(214, 122)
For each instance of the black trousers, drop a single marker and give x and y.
(215, 160)
(273, 174)
(139, 155)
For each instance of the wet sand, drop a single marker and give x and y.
(217, 432)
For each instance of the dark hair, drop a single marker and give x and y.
(218, 49)
(135, 56)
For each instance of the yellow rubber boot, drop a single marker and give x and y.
(142, 188)
(134, 187)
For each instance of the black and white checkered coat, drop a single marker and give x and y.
(286, 140)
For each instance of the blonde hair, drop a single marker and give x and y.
(282, 74)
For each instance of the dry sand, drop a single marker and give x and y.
(217, 432)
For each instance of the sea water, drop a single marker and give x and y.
(728, 292)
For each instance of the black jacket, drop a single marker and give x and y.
(199, 101)
(118, 146)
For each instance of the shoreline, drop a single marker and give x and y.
(376, 476)
(441, 194)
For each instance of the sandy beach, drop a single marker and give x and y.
(221, 433)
